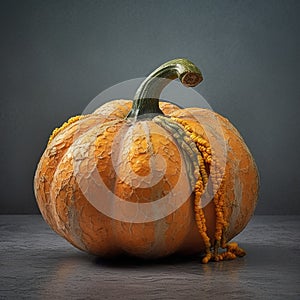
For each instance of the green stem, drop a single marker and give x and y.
(146, 99)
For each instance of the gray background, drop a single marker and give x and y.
(56, 56)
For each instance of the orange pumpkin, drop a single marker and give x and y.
(148, 178)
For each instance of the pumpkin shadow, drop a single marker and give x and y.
(258, 256)
(127, 261)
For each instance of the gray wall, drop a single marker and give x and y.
(56, 56)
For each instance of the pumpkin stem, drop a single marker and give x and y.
(146, 99)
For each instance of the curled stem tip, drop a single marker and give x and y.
(146, 99)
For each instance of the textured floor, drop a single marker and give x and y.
(35, 263)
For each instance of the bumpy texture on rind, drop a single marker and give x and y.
(89, 147)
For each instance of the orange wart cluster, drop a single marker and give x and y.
(205, 159)
(57, 130)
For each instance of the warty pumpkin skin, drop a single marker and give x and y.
(143, 151)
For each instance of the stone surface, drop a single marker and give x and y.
(35, 263)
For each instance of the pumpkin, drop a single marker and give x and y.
(148, 178)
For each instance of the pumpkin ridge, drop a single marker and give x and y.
(157, 185)
(52, 155)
